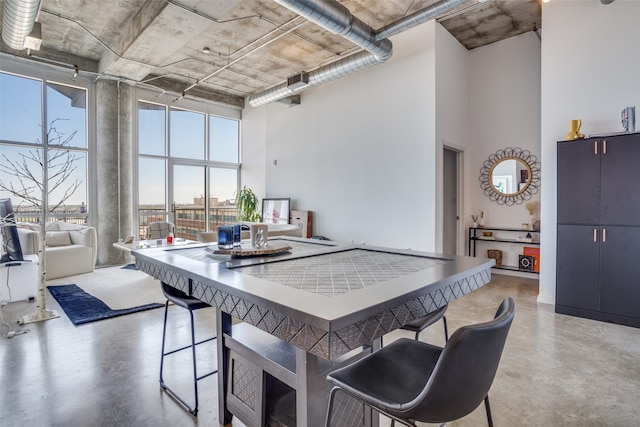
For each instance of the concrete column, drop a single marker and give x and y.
(113, 168)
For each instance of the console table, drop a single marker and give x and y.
(304, 314)
(506, 235)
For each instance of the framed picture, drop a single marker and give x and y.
(276, 211)
(502, 184)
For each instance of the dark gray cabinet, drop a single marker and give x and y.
(598, 232)
(577, 275)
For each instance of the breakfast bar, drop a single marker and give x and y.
(303, 313)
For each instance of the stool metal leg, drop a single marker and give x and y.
(446, 330)
(488, 408)
(195, 368)
(330, 408)
(194, 410)
(164, 334)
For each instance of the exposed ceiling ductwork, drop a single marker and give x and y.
(253, 45)
(17, 21)
(336, 18)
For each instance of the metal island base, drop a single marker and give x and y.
(305, 313)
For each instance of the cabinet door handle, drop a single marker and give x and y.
(604, 147)
(604, 235)
(595, 235)
(595, 147)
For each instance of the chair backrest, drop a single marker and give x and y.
(160, 229)
(465, 370)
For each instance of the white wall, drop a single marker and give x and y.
(452, 114)
(504, 101)
(359, 151)
(590, 71)
(366, 150)
(253, 150)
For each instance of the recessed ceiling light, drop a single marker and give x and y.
(206, 50)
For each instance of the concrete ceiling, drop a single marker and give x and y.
(253, 44)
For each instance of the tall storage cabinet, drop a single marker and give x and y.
(598, 237)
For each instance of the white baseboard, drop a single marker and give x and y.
(546, 299)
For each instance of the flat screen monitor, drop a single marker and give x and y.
(275, 211)
(11, 249)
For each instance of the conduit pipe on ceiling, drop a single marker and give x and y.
(336, 18)
(17, 21)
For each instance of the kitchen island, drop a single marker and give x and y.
(304, 313)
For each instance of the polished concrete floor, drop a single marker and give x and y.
(556, 370)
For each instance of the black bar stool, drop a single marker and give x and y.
(421, 323)
(183, 300)
(411, 381)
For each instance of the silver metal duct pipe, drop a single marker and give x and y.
(333, 16)
(17, 21)
(336, 18)
(335, 70)
(418, 17)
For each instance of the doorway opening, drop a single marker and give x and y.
(452, 242)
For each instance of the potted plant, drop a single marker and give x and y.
(247, 204)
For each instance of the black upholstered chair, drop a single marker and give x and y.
(411, 381)
(180, 299)
(421, 323)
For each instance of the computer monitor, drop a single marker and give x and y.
(11, 249)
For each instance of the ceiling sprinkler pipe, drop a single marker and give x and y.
(17, 21)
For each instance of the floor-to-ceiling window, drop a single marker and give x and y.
(44, 122)
(188, 165)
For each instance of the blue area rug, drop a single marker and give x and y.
(131, 266)
(82, 307)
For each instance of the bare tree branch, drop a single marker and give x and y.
(26, 182)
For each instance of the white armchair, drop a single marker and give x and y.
(160, 229)
(69, 248)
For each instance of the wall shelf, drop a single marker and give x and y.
(475, 236)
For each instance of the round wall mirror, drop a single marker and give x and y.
(510, 176)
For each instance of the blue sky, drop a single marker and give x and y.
(21, 118)
(21, 121)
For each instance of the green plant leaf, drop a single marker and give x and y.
(247, 204)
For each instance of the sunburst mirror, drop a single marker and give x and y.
(510, 176)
